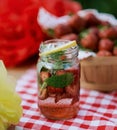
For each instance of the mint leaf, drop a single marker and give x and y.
(44, 85)
(57, 55)
(60, 81)
(58, 64)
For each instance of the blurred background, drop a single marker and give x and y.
(21, 35)
(107, 6)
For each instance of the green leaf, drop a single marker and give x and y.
(60, 81)
(50, 32)
(84, 33)
(44, 85)
(58, 64)
(102, 27)
(57, 55)
(44, 68)
(115, 43)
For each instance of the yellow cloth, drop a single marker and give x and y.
(10, 102)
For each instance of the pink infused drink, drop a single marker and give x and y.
(58, 79)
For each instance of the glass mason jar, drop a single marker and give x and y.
(58, 81)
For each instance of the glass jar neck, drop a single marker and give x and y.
(68, 54)
(60, 59)
(64, 55)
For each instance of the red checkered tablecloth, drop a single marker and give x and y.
(98, 111)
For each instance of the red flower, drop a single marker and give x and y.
(61, 7)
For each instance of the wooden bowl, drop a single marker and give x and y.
(99, 73)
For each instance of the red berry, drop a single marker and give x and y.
(115, 51)
(104, 53)
(106, 44)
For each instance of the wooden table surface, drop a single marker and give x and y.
(19, 70)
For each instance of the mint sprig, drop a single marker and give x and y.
(59, 81)
(57, 58)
